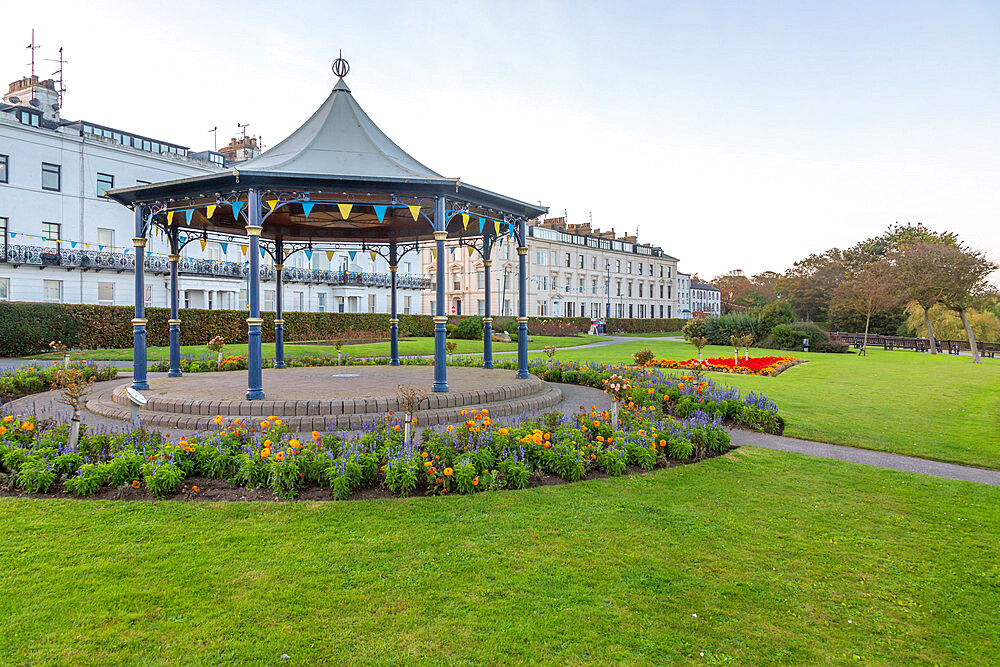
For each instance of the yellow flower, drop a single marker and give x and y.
(450, 428)
(28, 426)
(315, 435)
(294, 443)
(277, 422)
(264, 453)
(8, 419)
(264, 425)
(447, 472)
(218, 419)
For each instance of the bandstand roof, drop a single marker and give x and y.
(339, 156)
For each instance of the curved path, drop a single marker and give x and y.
(46, 404)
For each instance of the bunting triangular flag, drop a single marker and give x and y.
(434, 253)
(496, 227)
(100, 248)
(309, 255)
(225, 247)
(243, 247)
(379, 211)
(465, 220)
(263, 252)
(181, 240)
(170, 217)
(329, 255)
(189, 212)
(203, 244)
(210, 211)
(353, 254)
(345, 210)
(307, 207)
(271, 203)
(470, 251)
(415, 212)
(72, 244)
(237, 207)
(482, 224)
(373, 254)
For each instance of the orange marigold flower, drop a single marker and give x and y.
(448, 472)
(547, 445)
(264, 453)
(280, 456)
(28, 426)
(475, 481)
(195, 489)
(294, 443)
(135, 484)
(503, 431)
(450, 428)
(8, 419)
(315, 435)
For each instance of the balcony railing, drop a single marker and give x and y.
(120, 262)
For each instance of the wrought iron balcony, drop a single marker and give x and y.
(159, 264)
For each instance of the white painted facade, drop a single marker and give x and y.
(572, 272)
(705, 299)
(61, 241)
(684, 296)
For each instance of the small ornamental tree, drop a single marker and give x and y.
(550, 351)
(870, 289)
(410, 398)
(337, 345)
(73, 385)
(964, 284)
(694, 333)
(217, 344)
(618, 387)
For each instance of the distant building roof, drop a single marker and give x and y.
(704, 286)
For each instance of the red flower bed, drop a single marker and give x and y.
(751, 366)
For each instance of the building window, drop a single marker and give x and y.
(4, 289)
(433, 310)
(480, 280)
(581, 261)
(456, 282)
(105, 182)
(244, 300)
(540, 256)
(4, 168)
(268, 300)
(640, 290)
(53, 290)
(568, 260)
(640, 268)
(406, 304)
(105, 293)
(51, 177)
(3, 239)
(618, 266)
(481, 307)
(105, 238)
(51, 235)
(148, 294)
(371, 303)
(321, 302)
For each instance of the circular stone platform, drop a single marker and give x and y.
(328, 397)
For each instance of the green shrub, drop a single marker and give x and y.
(645, 325)
(720, 328)
(470, 328)
(790, 336)
(775, 313)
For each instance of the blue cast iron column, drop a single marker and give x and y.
(393, 313)
(255, 388)
(440, 320)
(279, 309)
(488, 319)
(175, 323)
(522, 301)
(139, 321)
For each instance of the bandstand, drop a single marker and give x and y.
(338, 179)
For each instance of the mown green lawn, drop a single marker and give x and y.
(940, 407)
(757, 557)
(407, 346)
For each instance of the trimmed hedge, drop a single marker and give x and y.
(26, 328)
(651, 325)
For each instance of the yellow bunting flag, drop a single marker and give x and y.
(373, 254)
(470, 251)
(465, 220)
(329, 255)
(345, 210)
(415, 212)
(203, 244)
(434, 253)
(244, 249)
(210, 211)
(496, 226)
(170, 217)
(271, 203)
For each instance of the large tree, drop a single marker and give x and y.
(923, 277)
(869, 289)
(810, 283)
(964, 283)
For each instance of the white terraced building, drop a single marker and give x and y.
(574, 270)
(62, 241)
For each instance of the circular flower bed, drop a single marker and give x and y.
(751, 366)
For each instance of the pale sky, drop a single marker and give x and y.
(733, 134)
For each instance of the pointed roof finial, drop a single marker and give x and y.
(340, 66)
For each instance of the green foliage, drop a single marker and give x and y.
(645, 325)
(88, 479)
(162, 478)
(790, 337)
(470, 328)
(283, 476)
(719, 329)
(36, 474)
(34, 378)
(694, 328)
(775, 313)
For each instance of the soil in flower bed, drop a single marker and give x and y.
(215, 490)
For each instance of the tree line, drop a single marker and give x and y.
(873, 285)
